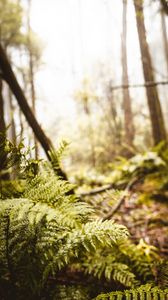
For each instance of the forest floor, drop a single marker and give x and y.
(146, 219)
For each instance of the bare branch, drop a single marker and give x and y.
(146, 84)
(121, 200)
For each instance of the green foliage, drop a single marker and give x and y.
(10, 23)
(18, 158)
(128, 264)
(141, 293)
(138, 165)
(150, 168)
(57, 155)
(70, 292)
(162, 274)
(104, 264)
(46, 230)
(10, 152)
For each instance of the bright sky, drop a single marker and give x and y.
(77, 35)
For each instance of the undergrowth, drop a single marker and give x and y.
(48, 235)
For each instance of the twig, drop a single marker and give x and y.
(146, 84)
(97, 191)
(121, 200)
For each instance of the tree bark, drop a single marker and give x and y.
(31, 74)
(3, 155)
(164, 4)
(128, 115)
(116, 128)
(164, 33)
(156, 116)
(2, 119)
(11, 113)
(9, 77)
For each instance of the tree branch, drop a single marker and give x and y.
(146, 84)
(97, 191)
(121, 199)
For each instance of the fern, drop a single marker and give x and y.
(162, 273)
(46, 230)
(70, 292)
(51, 190)
(104, 264)
(141, 263)
(56, 156)
(141, 293)
(129, 264)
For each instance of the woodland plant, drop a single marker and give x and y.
(44, 230)
(47, 233)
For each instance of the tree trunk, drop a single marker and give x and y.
(2, 119)
(10, 78)
(157, 121)
(116, 130)
(12, 122)
(90, 131)
(164, 4)
(128, 116)
(31, 74)
(3, 155)
(164, 33)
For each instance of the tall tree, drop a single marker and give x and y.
(156, 116)
(128, 115)
(31, 70)
(164, 33)
(2, 118)
(3, 155)
(12, 122)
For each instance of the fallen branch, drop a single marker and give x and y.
(121, 199)
(97, 191)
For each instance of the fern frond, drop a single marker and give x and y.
(56, 155)
(127, 263)
(88, 237)
(162, 274)
(50, 190)
(107, 264)
(70, 292)
(34, 232)
(141, 293)
(141, 264)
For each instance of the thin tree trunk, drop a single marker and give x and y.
(10, 78)
(12, 122)
(113, 111)
(31, 74)
(157, 121)
(21, 125)
(128, 115)
(3, 155)
(2, 119)
(91, 133)
(164, 33)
